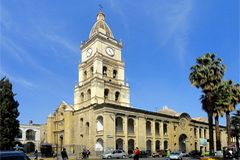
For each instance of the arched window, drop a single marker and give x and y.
(195, 132)
(205, 134)
(106, 93)
(85, 74)
(148, 128)
(157, 132)
(117, 96)
(91, 70)
(200, 133)
(104, 70)
(30, 134)
(81, 122)
(119, 124)
(99, 123)
(114, 73)
(130, 126)
(89, 93)
(82, 96)
(165, 129)
(87, 128)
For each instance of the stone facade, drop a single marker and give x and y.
(30, 136)
(101, 117)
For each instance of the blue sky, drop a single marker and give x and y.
(161, 39)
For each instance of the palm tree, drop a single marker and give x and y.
(233, 93)
(206, 74)
(219, 109)
(235, 126)
(227, 98)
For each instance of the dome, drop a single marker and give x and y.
(101, 26)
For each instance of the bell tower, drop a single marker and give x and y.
(101, 73)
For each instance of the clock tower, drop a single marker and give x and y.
(101, 73)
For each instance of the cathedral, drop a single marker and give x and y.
(102, 119)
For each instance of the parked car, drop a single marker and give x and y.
(114, 154)
(159, 153)
(175, 155)
(142, 154)
(195, 153)
(219, 154)
(186, 157)
(13, 155)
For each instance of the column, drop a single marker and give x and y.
(161, 135)
(153, 136)
(109, 141)
(125, 129)
(136, 130)
(142, 133)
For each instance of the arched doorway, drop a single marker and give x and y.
(99, 145)
(119, 144)
(149, 147)
(157, 145)
(29, 147)
(165, 145)
(182, 143)
(130, 146)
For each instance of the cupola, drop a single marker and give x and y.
(101, 26)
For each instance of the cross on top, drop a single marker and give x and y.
(100, 7)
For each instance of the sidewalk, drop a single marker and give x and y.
(59, 158)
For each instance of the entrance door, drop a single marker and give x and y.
(182, 143)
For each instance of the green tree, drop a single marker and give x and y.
(219, 110)
(235, 127)
(9, 125)
(206, 74)
(228, 98)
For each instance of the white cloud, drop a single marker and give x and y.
(19, 53)
(62, 41)
(170, 21)
(18, 80)
(173, 24)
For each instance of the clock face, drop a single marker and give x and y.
(110, 51)
(89, 52)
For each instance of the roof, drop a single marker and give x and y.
(168, 111)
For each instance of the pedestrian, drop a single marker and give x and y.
(83, 154)
(168, 152)
(64, 154)
(136, 153)
(88, 153)
(35, 154)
